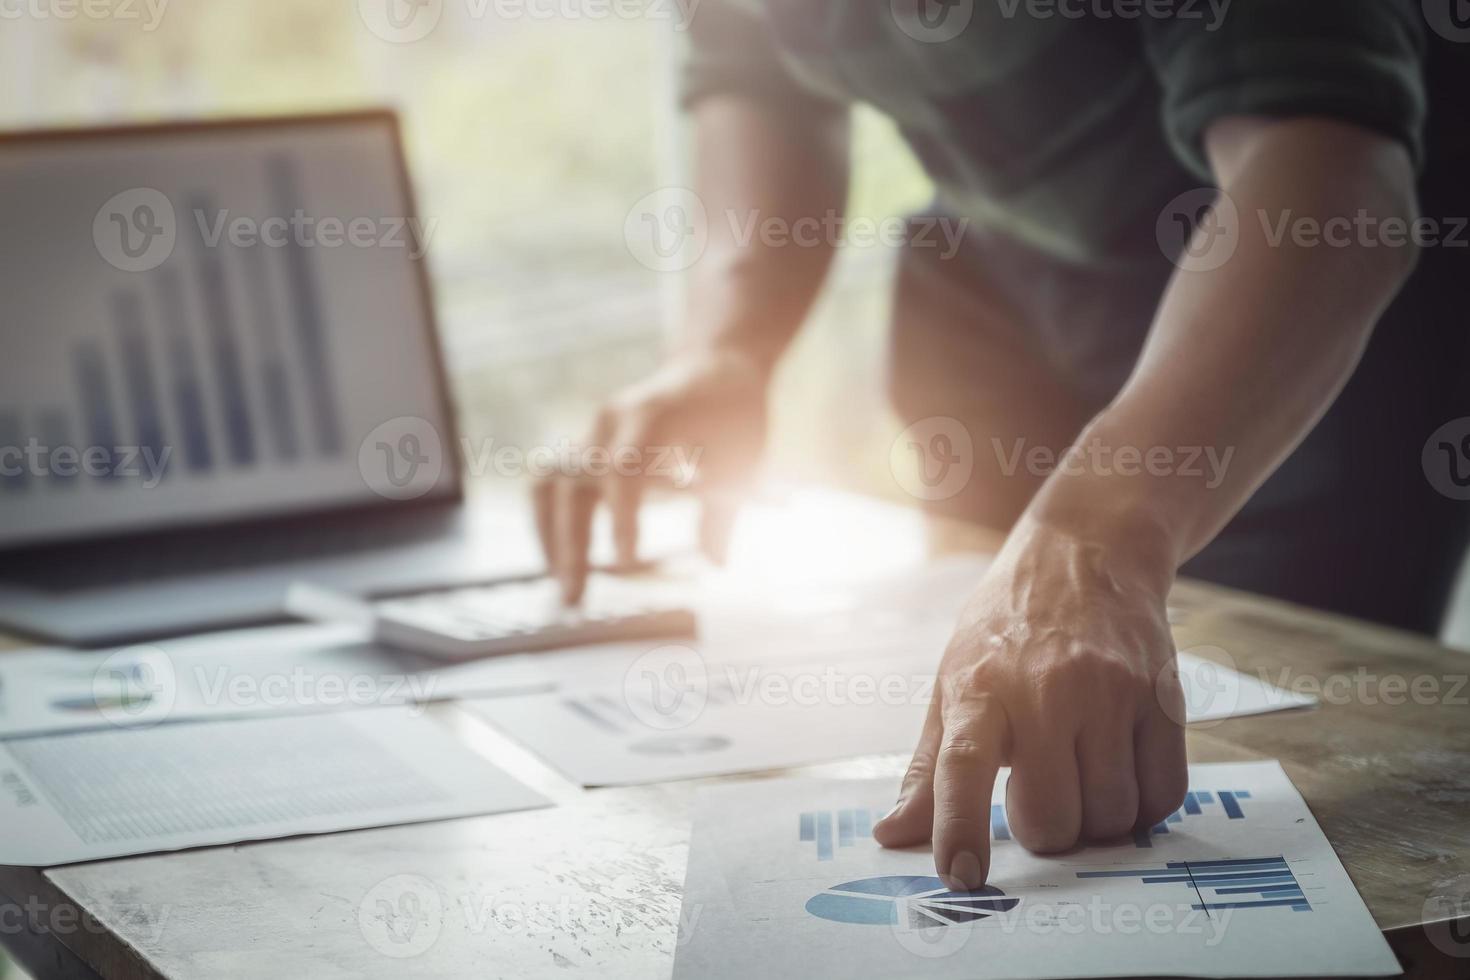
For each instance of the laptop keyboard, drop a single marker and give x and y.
(178, 555)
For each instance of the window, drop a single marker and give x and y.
(530, 137)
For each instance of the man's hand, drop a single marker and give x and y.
(711, 405)
(746, 299)
(1054, 670)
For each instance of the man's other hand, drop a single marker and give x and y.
(704, 409)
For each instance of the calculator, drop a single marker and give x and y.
(507, 617)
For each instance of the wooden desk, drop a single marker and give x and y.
(595, 883)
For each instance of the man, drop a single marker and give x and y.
(1064, 132)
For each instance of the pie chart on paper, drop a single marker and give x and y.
(918, 901)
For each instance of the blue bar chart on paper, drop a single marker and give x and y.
(827, 829)
(1242, 883)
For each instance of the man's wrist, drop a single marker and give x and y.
(1125, 534)
(1130, 521)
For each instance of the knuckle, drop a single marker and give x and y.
(1046, 839)
(1162, 793)
(962, 749)
(970, 684)
(955, 830)
(1092, 670)
(921, 767)
(1111, 820)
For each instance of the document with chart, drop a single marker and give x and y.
(785, 880)
(680, 716)
(111, 793)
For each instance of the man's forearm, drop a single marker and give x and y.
(757, 170)
(1244, 359)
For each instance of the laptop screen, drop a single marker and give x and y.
(214, 323)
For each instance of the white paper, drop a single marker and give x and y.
(785, 881)
(264, 671)
(682, 716)
(115, 792)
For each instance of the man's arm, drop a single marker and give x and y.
(754, 165)
(754, 162)
(1247, 358)
(1062, 665)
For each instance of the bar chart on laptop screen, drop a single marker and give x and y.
(282, 324)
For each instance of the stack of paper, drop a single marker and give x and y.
(114, 792)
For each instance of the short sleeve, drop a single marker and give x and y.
(731, 50)
(1358, 61)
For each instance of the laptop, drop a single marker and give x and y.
(221, 374)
